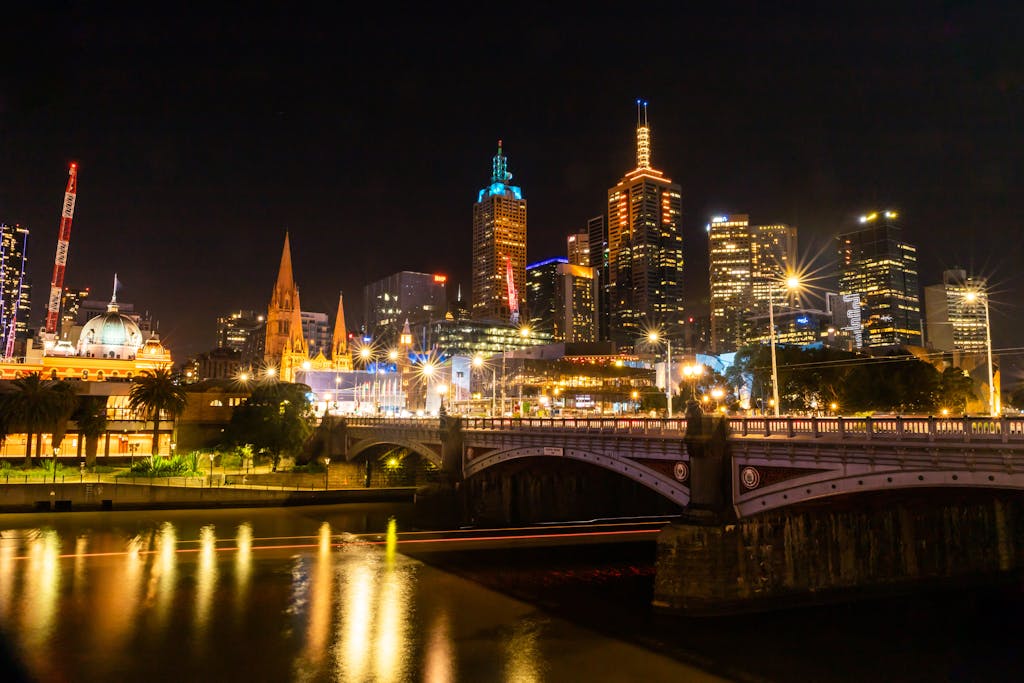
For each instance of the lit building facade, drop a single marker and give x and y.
(499, 239)
(773, 250)
(876, 264)
(236, 329)
(408, 295)
(597, 233)
(15, 288)
(316, 328)
(645, 248)
(953, 321)
(730, 278)
(472, 337)
(71, 301)
(562, 299)
(578, 248)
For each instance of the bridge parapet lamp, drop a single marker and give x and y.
(792, 284)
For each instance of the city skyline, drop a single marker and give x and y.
(189, 178)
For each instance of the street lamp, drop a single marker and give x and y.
(692, 372)
(56, 452)
(792, 283)
(327, 471)
(653, 337)
(442, 391)
(971, 297)
(717, 393)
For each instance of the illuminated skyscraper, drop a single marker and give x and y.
(747, 269)
(729, 271)
(597, 231)
(499, 239)
(561, 296)
(952, 321)
(645, 248)
(15, 291)
(876, 264)
(71, 300)
(578, 248)
(407, 296)
(772, 257)
(235, 329)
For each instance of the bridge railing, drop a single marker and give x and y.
(879, 428)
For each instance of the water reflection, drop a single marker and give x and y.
(319, 604)
(206, 578)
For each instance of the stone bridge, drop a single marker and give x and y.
(766, 463)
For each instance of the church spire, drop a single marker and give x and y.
(285, 284)
(339, 342)
(643, 136)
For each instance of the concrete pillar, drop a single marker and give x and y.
(710, 464)
(451, 446)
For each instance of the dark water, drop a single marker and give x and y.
(273, 595)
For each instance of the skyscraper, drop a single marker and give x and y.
(645, 247)
(597, 242)
(235, 329)
(772, 257)
(71, 300)
(499, 241)
(389, 302)
(562, 296)
(729, 272)
(875, 263)
(952, 321)
(15, 291)
(578, 248)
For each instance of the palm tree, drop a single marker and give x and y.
(156, 391)
(36, 404)
(91, 418)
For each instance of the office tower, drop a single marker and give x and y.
(235, 329)
(846, 320)
(645, 248)
(15, 293)
(317, 330)
(578, 249)
(597, 241)
(952, 321)
(875, 263)
(71, 301)
(729, 271)
(772, 258)
(389, 302)
(499, 246)
(561, 299)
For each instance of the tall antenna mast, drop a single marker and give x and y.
(60, 261)
(643, 136)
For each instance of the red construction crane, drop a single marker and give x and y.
(513, 295)
(60, 261)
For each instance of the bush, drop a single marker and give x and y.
(312, 467)
(178, 466)
(230, 460)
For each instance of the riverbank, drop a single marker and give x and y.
(104, 495)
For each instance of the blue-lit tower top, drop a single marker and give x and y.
(500, 178)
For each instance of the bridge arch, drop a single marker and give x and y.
(641, 474)
(363, 445)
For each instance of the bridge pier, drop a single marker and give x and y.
(787, 557)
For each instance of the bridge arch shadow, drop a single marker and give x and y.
(369, 447)
(528, 485)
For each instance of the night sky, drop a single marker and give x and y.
(202, 138)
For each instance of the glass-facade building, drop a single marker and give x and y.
(876, 264)
(955, 312)
(15, 287)
(407, 295)
(562, 298)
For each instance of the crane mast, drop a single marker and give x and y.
(60, 261)
(513, 295)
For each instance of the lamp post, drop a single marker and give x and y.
(56, 452)
(327, 471)
(653, 337)
(971, 297)
(792, 282)
(692, 373)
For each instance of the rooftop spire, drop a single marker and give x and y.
(499, 167)
(643, 136)
(339, 344)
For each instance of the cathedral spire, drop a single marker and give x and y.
(643, 136)
(285, 281)
(339, 342)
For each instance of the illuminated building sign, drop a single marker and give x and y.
(440, 279)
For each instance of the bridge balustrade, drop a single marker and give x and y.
(881, 428)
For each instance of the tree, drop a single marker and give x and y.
(276, 418)
(36, 404)
(155, 392)
(955, 390)
(91, 418)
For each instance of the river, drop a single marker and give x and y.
(323, 594)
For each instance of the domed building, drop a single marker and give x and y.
(110, 335)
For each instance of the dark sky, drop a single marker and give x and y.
(202, 137)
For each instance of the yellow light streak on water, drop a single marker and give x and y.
(243, 563)
(355, 618)
(206, 578)
(437, 664)
(41, 589)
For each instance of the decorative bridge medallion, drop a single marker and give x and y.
(681, 471)
(750, 477)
